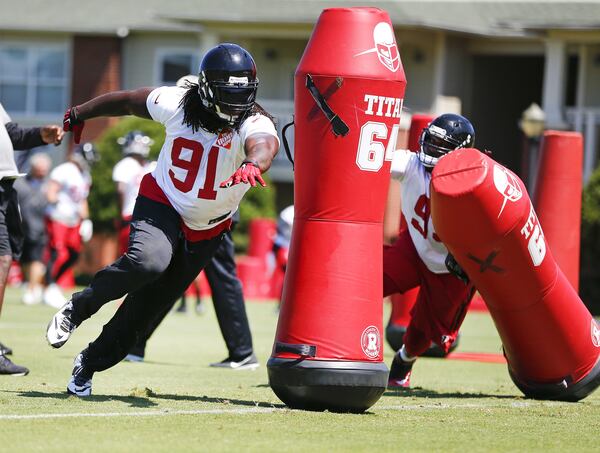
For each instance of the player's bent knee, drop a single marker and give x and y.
(153, 262)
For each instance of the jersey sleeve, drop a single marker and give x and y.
(401, 160)
(257, 124)
(120, 172)
(4, 117)
(163, 103)
(58, 174)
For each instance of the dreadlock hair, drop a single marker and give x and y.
(197, 116)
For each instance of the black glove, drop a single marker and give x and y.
(455, 269)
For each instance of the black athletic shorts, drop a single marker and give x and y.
(11, 230)
(33, 250)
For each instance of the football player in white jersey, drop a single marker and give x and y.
(67, 218)
(218, 142)
(418, 257)
(128, 174)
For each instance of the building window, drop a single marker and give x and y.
(176, 63)
(33, 78)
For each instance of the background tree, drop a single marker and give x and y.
(590, 244)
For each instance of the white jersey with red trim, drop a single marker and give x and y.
(73, 192)
(191, 165)
(415, 182)
(128, 174)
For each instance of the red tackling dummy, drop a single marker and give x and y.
(482, 213)
(349, 89)
(558, 197)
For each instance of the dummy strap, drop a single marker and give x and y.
(303, 350)
(337, 124)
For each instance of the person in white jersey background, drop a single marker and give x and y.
(127, 175)
(67, 217)
(418, 257)
(218, 142)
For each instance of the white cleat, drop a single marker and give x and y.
(80, 383)
(32, 296)
(60, 327)
(53, 296)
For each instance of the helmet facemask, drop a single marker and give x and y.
(435, 142)
(230, 99)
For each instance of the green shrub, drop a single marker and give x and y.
(258, 202)
(590, 244)
(103, 195)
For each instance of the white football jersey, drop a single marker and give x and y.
(74, 189)
(128, 173)
(415, 191)
(191, 165)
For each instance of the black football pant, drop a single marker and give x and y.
(156, 269)
(228, 299)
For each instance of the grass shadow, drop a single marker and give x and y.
(149, 399)
(426, 393)
(132, 400)
(218, 400)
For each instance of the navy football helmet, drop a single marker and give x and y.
(85, 155)
(227, 82)
(135, 143)
(445, 134)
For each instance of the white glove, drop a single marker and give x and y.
(86, 229)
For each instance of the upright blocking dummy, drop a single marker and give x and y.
(349, 89)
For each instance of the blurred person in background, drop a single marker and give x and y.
(127, 175)
(67, 218)
(33, 200)
(218, 142)
(11, 232)
(281, 247)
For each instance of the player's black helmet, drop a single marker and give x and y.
(444, 134)
(227, 82)
(136, 143)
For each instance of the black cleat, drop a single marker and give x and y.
(248, 363)
(10, 369)
(5, 350)
(400, 373)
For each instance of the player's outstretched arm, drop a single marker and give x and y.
(116, 103)
(260, 152)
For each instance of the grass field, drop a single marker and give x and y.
(175, 402)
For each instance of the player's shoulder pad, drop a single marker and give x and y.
(164, 101)
(257, 124)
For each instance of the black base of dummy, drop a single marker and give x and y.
(562, 391)
(337, 386)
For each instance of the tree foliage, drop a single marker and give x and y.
(103, 195)
(258, 202)
(590, 245)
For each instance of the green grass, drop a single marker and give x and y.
(175, 402)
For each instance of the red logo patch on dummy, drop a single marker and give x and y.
(224, 139)
(370, 341)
